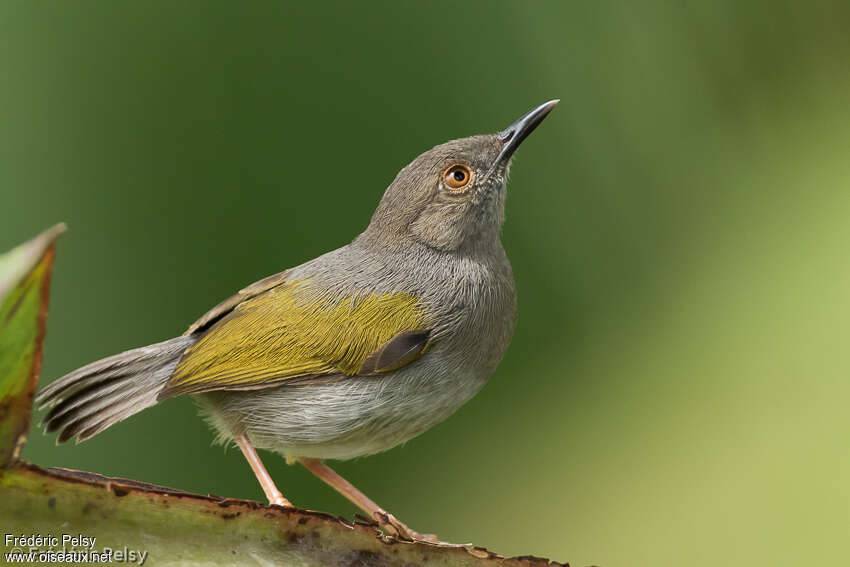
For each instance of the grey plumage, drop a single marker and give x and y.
(436, 244)
(471, 298)
(88, 400)
(474, 307)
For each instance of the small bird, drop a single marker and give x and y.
(349, 354)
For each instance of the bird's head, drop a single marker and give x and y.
(452, 196)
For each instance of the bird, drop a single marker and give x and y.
(351, 353)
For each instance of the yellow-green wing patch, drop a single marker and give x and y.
(288, 333)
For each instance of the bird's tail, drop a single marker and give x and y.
(90, 399)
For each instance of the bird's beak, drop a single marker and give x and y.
(512, 136)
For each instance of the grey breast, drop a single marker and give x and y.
(471, 306)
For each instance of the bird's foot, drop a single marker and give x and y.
(279, 500)
(401, 531)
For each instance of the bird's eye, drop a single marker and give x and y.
(457, 177)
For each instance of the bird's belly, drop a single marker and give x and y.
(344, 419)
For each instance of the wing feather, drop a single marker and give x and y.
(289, 331)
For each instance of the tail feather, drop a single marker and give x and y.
(79, 398)
(88, 400)
(87, 425)
(104, 402)
(110, 367)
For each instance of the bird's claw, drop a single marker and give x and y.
(401, 531)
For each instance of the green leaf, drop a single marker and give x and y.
(24, 288)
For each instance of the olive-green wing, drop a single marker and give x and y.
(288, 332)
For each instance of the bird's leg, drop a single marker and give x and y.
(272, 493)
(384, 518)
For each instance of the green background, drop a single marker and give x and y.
(677, 390)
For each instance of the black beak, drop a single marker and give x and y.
(512, 136)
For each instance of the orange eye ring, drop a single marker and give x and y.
(457, 177)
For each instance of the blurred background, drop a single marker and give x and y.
(677, 390)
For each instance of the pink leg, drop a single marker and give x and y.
(272, 493)
(385, 519)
